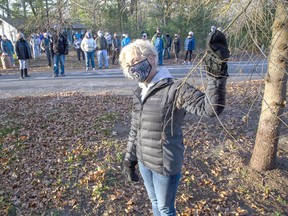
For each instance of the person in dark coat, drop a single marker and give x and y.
(59, 47)
(176, 46)
(160, 103)
(23, 52)
(168, 46)
(116, 47)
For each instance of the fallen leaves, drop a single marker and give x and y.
(60, 155)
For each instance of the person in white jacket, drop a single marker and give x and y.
(88, 45)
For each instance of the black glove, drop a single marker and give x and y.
(128, 170)
(217, 55)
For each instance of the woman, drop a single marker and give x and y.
(23, 53)
(189, 46)
(159, 105)
(88, 45)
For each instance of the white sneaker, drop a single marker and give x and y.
(93, 69)
(184, 62)
(189, 63)
(87, 68)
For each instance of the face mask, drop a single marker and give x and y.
(141, 70)
(100, 34)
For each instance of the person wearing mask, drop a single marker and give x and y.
(176, 46)
(189, 46)
(116, 47)
(59, 47)
(126, 40)
(160, 104)
(8, 49)
(168, 46)
(144, 36)
(45, 46)
(88, 45)
(159, 41)
(23, 52)
(77, 46)
(101, 45)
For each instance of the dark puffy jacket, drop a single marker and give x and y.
(59, 44)
(156, 137)
(177, 44)
(22, 49)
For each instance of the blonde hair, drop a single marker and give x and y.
(141, 49)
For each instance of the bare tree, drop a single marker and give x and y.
(274, 99)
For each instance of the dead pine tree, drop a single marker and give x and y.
(264, 155)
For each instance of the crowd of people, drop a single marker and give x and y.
(55, 45)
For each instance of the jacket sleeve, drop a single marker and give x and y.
(210, 103)
(131, 146)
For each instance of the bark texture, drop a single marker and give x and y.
(274, 99)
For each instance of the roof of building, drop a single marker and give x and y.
(15, 22)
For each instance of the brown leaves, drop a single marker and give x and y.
(60, 154)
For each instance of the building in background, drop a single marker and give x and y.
(10, 27)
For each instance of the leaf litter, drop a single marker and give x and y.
(60, 154)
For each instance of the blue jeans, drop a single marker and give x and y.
(161, 191)
(160, 56)
(59, 58)
(102, 54)
(89, 56)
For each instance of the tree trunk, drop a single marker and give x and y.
(265, 150)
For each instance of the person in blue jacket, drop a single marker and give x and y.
(8, 48)
(159, 41)
(126, 40)
(189, 46)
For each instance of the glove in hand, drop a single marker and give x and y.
(217, 55)
(128, 170)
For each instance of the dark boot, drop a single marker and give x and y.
(22, 74)
(26, 73)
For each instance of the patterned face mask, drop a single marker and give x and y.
(141, 70)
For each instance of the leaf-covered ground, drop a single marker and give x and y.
(60, 155)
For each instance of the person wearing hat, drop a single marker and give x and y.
(176, 46)
(126, 40)
(101, 45)
(59, 48)
(160, 103)
(88, 45)
(189, 46)
(159, 41)
(45, 46)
